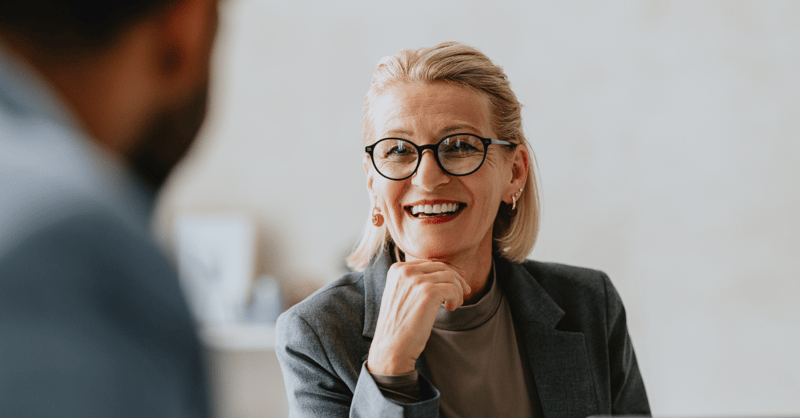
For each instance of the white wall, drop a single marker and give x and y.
(667, 136)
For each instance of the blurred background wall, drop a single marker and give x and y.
(667, 136)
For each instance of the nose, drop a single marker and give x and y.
(429, 175)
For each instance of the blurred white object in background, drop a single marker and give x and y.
(216, 258)
(216, 263)
(246, 380)
(267, 301)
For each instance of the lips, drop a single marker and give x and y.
(434, 208)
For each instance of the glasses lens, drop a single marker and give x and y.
(461, 154)
(395, 158)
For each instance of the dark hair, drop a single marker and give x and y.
(73, 24)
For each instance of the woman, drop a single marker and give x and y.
(447, 317)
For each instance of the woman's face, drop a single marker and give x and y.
(424, 114)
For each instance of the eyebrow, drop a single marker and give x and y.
(450, 129)
(399, 132)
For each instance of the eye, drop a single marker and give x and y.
(460, 146)
(396, 150)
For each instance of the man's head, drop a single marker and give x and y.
(135, 73)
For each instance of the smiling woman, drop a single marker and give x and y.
(447, 317)
(426, 113)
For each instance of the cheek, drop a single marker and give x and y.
(490, 201)
(488, 195)
(388, 194)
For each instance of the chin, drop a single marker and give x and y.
(167, 138)
(430, 250)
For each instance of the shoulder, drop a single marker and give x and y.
(90, 251)
(51, 172)
(337, 305)
(86, 229)
(561, 278)
(90, 256)
(90, 289)
(583, 293)
(324, 332)
(92, 264)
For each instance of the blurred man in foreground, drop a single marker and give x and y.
(98, 101)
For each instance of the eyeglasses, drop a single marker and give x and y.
(457, 155)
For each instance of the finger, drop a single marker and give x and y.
(431, 290)
(418, 268)
(451, 291)
(450, 295)
(465, 287)
(428, 266)
(459, 270)
(445, 276)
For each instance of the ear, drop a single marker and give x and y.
(520, 164)
(186, 32)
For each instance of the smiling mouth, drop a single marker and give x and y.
(437, 210)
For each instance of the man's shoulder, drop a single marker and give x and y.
(91, 239)
(92, 261)
(70, 215)
(51, 172)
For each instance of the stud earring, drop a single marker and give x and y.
(377, 218)
(514, 200)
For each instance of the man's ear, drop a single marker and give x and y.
(186, 31)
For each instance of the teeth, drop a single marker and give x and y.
(436, 209)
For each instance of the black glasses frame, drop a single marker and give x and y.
(434, 148)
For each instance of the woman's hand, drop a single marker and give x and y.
(414, 291)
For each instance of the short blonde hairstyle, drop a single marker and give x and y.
(514, 234)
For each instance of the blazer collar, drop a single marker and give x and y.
(527, 299)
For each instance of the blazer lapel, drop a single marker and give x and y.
(374, 283)
(558, 359)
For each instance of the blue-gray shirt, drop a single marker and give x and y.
(92, 320)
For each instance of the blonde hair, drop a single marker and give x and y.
(514, 233)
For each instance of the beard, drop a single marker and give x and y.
(166, 140)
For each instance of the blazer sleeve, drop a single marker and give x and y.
(628, 395)
(314, 389)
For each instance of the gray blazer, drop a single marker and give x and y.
(571, 322)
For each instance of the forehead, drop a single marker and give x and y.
(426, 112)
